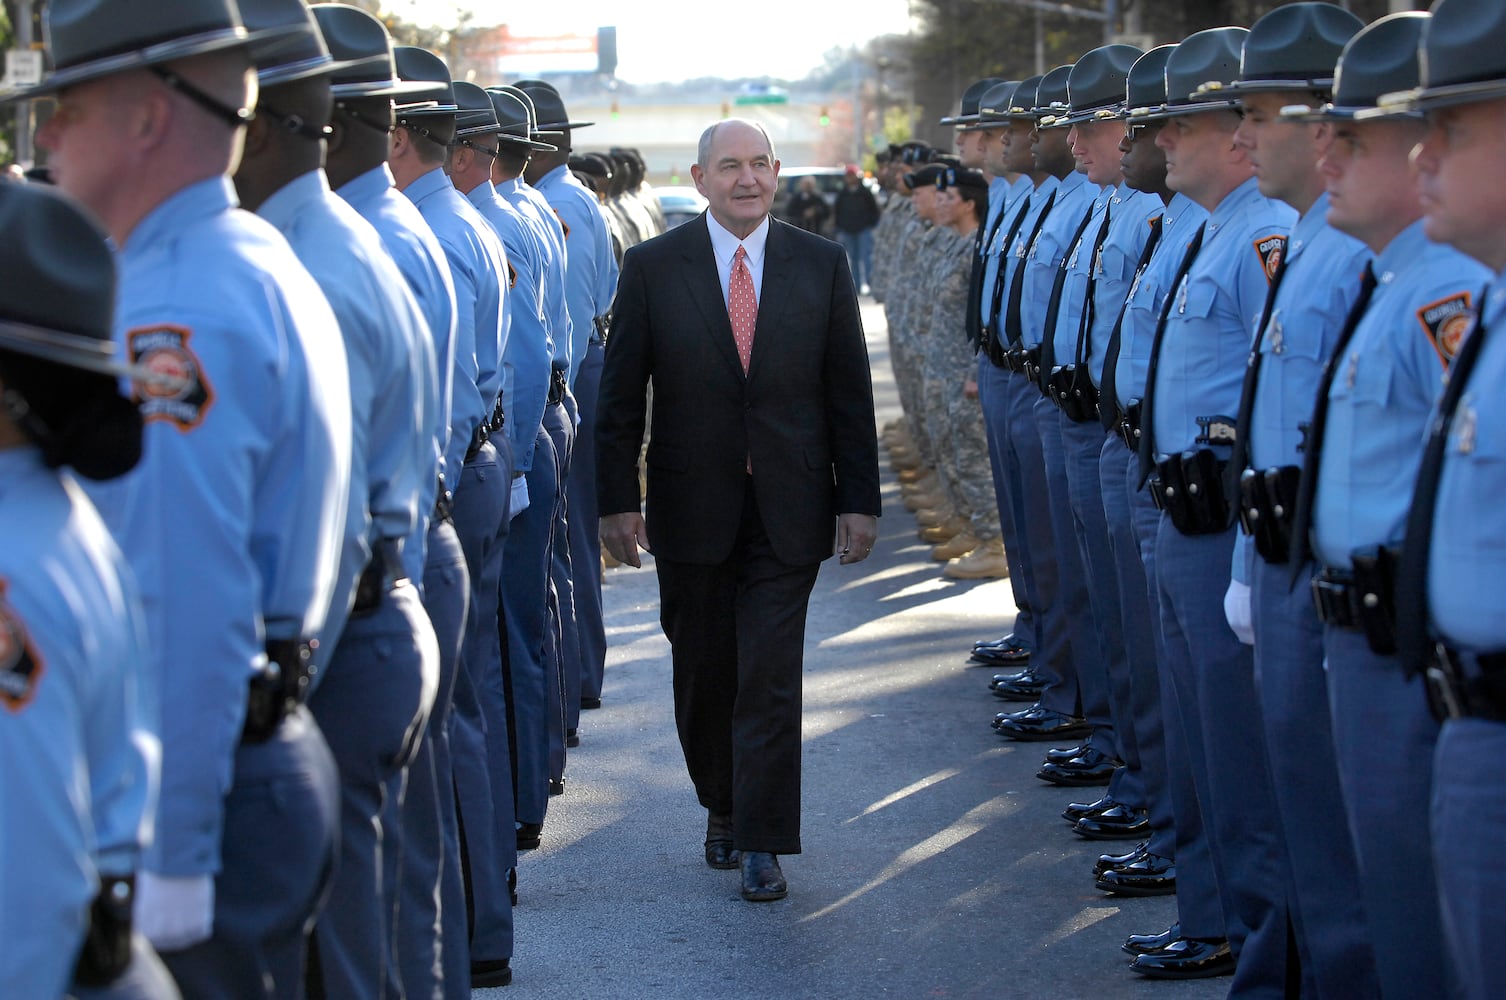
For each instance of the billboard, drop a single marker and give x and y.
(510, 56)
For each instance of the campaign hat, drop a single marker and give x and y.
(548, 106)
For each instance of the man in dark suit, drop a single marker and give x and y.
(763, 439)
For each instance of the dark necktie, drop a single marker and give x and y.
(1240, 453)
(1012, 327)
(1147, 402)
(1412, 574)
(1054, 303)
(1312, 449)
(990, 331)
(1108, 390)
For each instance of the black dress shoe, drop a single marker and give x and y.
(572, 738)
(762, 879)
(1018, 692)
(495, 972)
(1186, 958)
(529, 835)
(1119, 823)
(1077, 810)
(1058, 755)
(1002, 642)
(590, 702)
(1144, 944)
(719, 850)
(1026, 676)
(1152, 875)
(1000, 653)
(556, 786)
(1091, 768)
(1107, 861)
(1039, 724)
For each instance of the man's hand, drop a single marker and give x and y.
(855, 535)
(970, 387)
(624, 535)
(174, 912)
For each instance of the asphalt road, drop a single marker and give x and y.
(936, 864)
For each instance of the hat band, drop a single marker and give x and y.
(234, 117)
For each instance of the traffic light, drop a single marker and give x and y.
(825, 118)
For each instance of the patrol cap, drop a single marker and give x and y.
(301, 56)
(1051, 96)
(1381, 59)
(924, 177)
(1096, 85)
(1145, 88)
(1294, 47)
(1208, 56)
(58, 298)
(967, 113)
(362, 50)
(1461, 61)
(512, 119)
(548, 106)
(1015, 104)
(961, 177)
(916, 152)
(89, 39)
(416, 65)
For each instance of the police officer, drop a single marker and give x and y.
(478, 264)
(1451, 563)
(363, 83)
(373, 698)
(1192, 383)
(1287, 60)
(77, 701)
(233, 520)
(1358, 472)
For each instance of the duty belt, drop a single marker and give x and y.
(1013, 360)
(444, 502)
(383, 572)
(1463, 685)
(478, 438)
(499, 419)
(1267, 505)
(1362, 599)
(1189, 488)
(1127, 425)
(278, 688)
(1030, 364)
(558, 381)
(1070, 388)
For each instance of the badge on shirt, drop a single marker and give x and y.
(20, 666)
(1270, 249)
(1447, 322)
(164, 349)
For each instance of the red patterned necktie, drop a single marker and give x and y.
(742, 306)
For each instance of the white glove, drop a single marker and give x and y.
(174, 913)
(519, 497)
(1237, 611)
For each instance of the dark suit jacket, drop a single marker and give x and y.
(803, 414)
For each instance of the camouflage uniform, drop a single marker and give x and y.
(904, 309)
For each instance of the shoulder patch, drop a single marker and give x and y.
(1446, 323)
(20, 666)
(164, 349)
(1270, 249)
(563, 224)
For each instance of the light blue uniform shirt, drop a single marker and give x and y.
(478, 266)
(394, 390)
(1074, 196)
(1131, 213)
(529, 349)
(77, 726)
(233, 520)
(1324, 271)
(535, 210)
(1000, 202)
(1015, 254)
(1467, 562)
(416, 251)
(1213, 314)
(1078, 262)
(1384, 389)
(590, 266)
(1142, 304)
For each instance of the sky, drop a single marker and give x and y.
(658, 41)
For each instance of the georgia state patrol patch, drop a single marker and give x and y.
(20, 666)
(1447, 322)
(1271, 249)
(164, 349)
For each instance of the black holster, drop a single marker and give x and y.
(381, 574)
(1267, 505)
(1074, 392)
(1128, 425)
(1190, 488)
(106, 952)
(278, 688)
(1375, 579)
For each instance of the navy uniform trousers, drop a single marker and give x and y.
(993, 396)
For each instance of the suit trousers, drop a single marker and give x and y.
(1215, 677)
(282, 820)
(1469, 808)
(585, 538)
(1384, 740)
(1052, 656)
(993, 394)
(1325, 899)
(737, 634)
(562, 644)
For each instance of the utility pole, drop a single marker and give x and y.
(23, 108)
